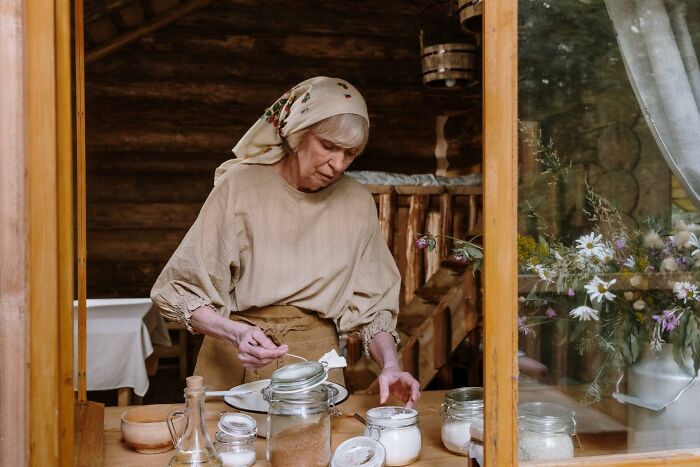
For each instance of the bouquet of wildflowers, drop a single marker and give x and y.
(623, 290)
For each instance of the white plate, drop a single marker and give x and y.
(256, 403)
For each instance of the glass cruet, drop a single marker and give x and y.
(193, 448)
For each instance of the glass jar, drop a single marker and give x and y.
(235, 440)
(396, 428)
(299, 427)
(545, 431)
(462, 408)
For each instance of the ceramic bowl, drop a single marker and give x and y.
(146, 430)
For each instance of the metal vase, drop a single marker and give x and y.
(657, 378)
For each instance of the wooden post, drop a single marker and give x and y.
(500, 70)
(416, 214)
(14, 320)
(446, 226)
(387, 209)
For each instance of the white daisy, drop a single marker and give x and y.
(584, 313)
(695, 243)
(630, 262)
(685, 291)
(598, 289)
(544, 274)
(589, 245)
(604, 253)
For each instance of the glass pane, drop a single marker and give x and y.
(609, 313)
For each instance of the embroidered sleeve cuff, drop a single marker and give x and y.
(186, 306)
(383, 321)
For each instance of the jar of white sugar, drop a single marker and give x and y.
(462, 408)
(546, 432)
(396, 428)
(235, 440)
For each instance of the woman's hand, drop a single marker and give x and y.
(255, 349)
(392, 380)
(399, 384)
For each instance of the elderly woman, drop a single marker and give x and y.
(287, 251)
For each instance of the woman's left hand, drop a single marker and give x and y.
(399, 384)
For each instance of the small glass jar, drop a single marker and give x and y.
(462, 408)
(396, 428)
(299, 427)
(545, 431)
(235, 440)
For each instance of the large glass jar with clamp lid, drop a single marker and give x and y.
(545, 431)
(299, 427)
(463, 407)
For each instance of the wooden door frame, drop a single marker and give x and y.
(36, 274)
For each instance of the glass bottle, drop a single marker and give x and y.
(545, 431)
(299, 427)
(193, 448)
(235, 440)
(462, 408)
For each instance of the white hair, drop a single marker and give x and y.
(345, 130)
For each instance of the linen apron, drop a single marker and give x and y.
(306, 334)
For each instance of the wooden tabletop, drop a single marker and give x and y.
(433, 454)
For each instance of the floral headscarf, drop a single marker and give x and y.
(306, 103)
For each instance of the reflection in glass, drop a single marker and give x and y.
(609, 306)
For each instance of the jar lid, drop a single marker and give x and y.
(465, 401)
(547, 418)
(298, 377)
(392, 416)
(237, 424)
(360, 451)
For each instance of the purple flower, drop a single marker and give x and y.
(667, 320)
(460, 258)
(550, 312)
(620, 244)
(423, 242)
(570, 292)
(524, 328)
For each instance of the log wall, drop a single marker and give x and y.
(165, 111)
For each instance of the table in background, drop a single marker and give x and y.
(120, 336)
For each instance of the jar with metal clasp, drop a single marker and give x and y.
(235, 440)
(396, 428)
(299, 426)
(545, 431)
(462, 408)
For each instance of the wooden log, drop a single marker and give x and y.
(141, 216)
(387, 210)
(139, 245)
(431, 259)
(416, 217)
(444, 244)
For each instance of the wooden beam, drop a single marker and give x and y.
(64, 154)
(500, 70)
(42, 208)
(149, 27)
(14, 320)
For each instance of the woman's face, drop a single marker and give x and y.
(321, 162)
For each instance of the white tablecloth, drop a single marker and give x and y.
(120, 335)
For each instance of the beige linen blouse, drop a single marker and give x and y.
(257, 242)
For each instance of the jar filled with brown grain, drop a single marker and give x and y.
(299, 426)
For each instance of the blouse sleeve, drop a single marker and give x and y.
(206, 264)
(374, 305)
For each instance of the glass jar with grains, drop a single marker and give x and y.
(299, 417)
(545, 431)
(462, 408)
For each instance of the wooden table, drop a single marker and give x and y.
(433, 454)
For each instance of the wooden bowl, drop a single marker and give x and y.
(146, 430)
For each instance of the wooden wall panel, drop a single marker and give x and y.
(165, 111)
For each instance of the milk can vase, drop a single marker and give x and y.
(672, 396)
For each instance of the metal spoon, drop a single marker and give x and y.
(359, 417)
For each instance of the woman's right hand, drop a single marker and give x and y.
(255, 349)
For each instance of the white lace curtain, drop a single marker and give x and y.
(662, 66)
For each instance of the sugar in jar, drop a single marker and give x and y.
(396, 428)
(235, 440)
(462, 408)
(545, 431)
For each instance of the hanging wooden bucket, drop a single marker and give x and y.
(470, 14)
(449, 65)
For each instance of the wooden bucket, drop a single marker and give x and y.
(449, 65)
(470, 14)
